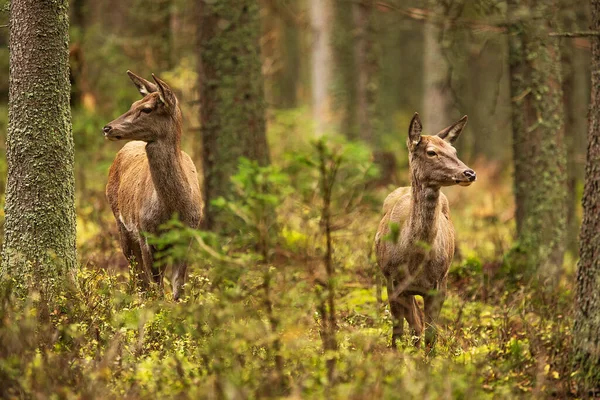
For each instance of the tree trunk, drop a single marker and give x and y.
(231, 94)
(576, 81)
(586, 332)
(39, 241)
(365, 59)
(344, 82)
(438, 101)
(320, 20)
(280, 48)
(538, 142)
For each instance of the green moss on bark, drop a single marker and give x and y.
(538, 142)
(231, 91)
(39, 241)
(586, 332)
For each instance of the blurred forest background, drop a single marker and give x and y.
(350, 73)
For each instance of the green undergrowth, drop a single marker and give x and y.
(253, 320)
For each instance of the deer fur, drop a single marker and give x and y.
(151, 179)
(417, 263)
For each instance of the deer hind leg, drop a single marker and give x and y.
(433, 306)
(397, 312)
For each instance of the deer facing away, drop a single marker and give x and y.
(151, 179)
(418, 262)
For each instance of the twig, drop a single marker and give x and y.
(575, 34)
(216, 255)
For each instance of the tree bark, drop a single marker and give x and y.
(586, 332)
(438, 101)
(365, 59)
(538, 142)
(320, 20)
(576, 85)
(231, 95)
(39, 240)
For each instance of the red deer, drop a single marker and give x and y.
(417, 262)
(151, 179)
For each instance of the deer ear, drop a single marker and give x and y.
(451, 133)
(166, 94)
(145, 87)
(414, 131)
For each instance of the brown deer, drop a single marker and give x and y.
(416, 264)
(151, 179)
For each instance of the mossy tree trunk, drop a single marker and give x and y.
(586, 332)
(538, 142)
(39, 239)
(231, 95)
(576, 87)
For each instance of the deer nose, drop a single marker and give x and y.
(107, 129)
(470, 174)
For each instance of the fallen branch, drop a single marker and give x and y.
(575, 34)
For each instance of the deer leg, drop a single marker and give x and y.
(133, 253)
(156, 270)
(433, 306)
(178, 278)
(140, 269)
(414, 316)
(397, 312)
(148, 257)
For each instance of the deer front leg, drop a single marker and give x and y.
(433, 306)
(178, 279)
(414, 316)
(397, 312)
(151, 271)
(133, 253)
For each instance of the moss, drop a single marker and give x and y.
(39, 241)
(538, 144)
(233, 107)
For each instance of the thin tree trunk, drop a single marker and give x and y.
(438, 101)
(586, 332)
(576, 83)
(538, 143)
(231, 94)
(320, 19)
(365, 59)
(39, 241)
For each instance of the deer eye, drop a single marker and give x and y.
(146, 110)
(431, 153)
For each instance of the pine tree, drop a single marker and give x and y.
(538, 141)
(586, 332)
(39, 237)
(231, 94)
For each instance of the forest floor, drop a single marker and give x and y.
(251, 325)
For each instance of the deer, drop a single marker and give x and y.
(415, 254)
(151, 179)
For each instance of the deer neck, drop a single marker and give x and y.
(424, 211)
(168, 177)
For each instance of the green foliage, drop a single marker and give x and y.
(250, 326)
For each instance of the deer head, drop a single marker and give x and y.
(433, 159)
(155, 117)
